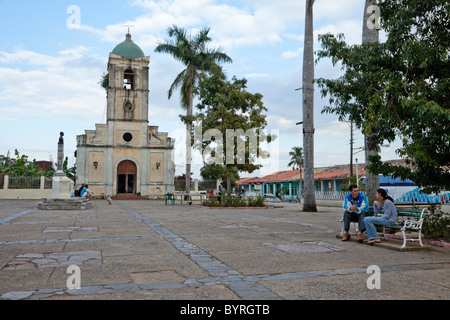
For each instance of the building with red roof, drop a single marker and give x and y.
(287, 183)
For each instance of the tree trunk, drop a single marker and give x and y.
(229, 184)
(188, 143)
(370, 141)
(308, 110)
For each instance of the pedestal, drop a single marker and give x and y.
(61, 199)
(61, 186)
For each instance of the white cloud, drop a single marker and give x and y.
(257, 23)
(280, 122)
(292, 54)
(352, 30)
(337, 10)
(64, 85)
(333, 129)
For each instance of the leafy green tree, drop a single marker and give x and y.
(399, 88)
(21, 166)
(212, 171)
(216, 171)
(70, 172)
(227, 105)
(104, 81)
(193, 53)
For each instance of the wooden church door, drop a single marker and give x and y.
(126, 177)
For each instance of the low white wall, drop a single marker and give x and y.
(25, 193)
(329, 203)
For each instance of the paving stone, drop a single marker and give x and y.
(192, 283)
(84, 290)
(123, 287)
(31, 255)
(17, 295)
(161, 285)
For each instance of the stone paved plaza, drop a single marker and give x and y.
(135, 250)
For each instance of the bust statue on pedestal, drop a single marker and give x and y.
(62, 188)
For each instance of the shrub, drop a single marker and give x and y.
(224, 201)
(436, 226)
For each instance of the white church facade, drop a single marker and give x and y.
(126, 155)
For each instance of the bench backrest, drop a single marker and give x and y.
(417, 213)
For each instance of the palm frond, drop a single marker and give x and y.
(179, 80)
(192, 52)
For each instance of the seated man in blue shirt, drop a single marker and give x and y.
(355, 209)
(83, 190)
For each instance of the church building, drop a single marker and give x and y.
(126, 156)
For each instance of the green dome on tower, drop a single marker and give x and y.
(128, 49)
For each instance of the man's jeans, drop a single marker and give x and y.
(370, 223)
(353, 217)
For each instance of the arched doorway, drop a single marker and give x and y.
(126, 177)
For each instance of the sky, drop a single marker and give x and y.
(54, 52)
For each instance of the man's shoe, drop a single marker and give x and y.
(360, 237)
(346, 237)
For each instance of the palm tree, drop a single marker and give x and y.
(308, 109)
(194, 54)
(297, 163)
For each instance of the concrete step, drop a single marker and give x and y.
(127, 196)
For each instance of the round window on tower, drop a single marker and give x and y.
(128, 106)
(127, 137)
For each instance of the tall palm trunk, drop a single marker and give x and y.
(188, 143)
(308, 110)
(370, 140)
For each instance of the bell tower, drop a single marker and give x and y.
(127, 93)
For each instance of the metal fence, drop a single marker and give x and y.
(203, 185)
(398, 197)
(180, 185)
(24, 183)
(48, 183)
(330, 195)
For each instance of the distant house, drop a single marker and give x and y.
(250, 184)
(45, 165)
(326, 179)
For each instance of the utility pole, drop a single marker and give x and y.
(370, 35)
(351, 148)
(308, 110)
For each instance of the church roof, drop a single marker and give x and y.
(128, 49)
